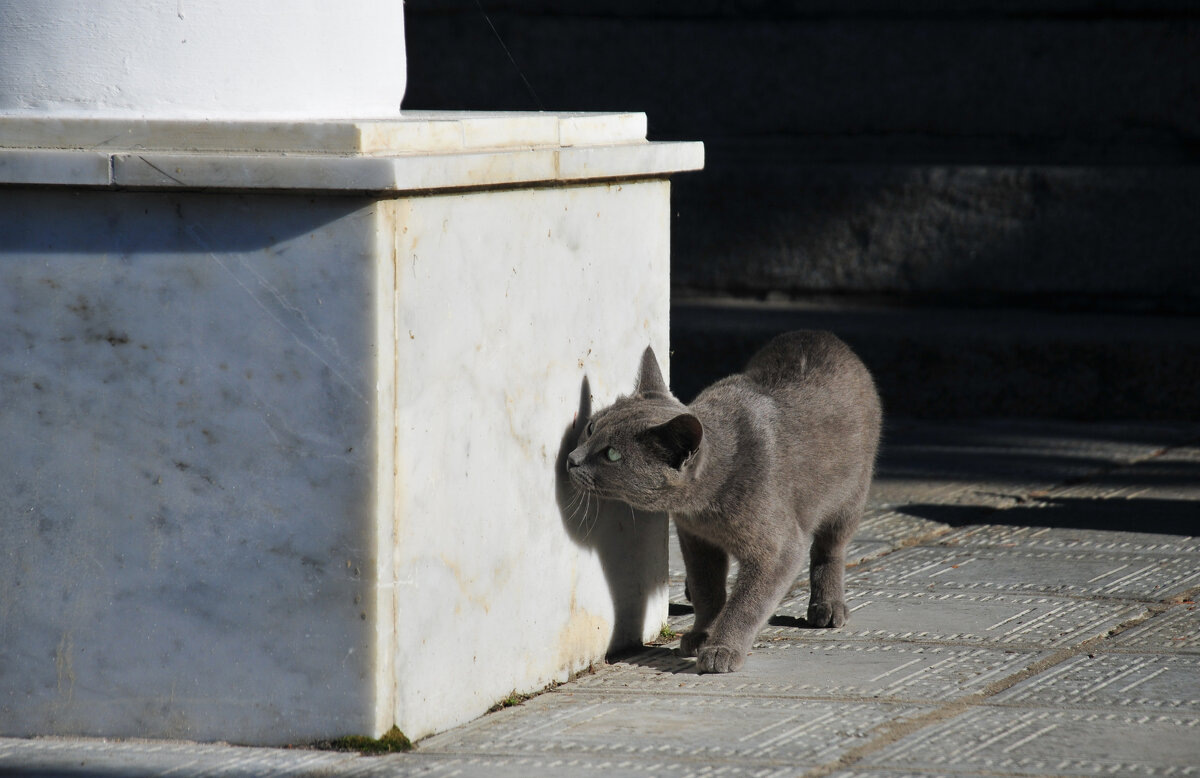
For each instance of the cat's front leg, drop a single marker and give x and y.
(707, 567)
(759, 588)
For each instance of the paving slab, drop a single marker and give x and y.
(1121, 681)
(97, 756)
(899, 672)
(93, 758)
(1177, 630)
(1159, 492)
(1045, 741)
(1007, 620)
(1083, 573)
(924, 773)
(874, 773)
(1071, 539)
(554, 766)
(896, 529)
(769, 731)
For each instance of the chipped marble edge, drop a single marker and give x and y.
(180, 171)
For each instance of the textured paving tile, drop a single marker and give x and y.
(1173, 474)
(1004, 619)
(797, 668)
(1175, 631)
(94, 756)
(1158, 494)
(715, 729)
(1124, 681)
(861, 550)
(681, 610)
(1073, 539)
(554, 766)
(873, 773)
(1053, 742)
(1075, 572)
(895, 529)
(88, 758)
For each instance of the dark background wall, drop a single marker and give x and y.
(876, 164)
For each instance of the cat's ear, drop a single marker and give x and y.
(680, 438)
(650, 380)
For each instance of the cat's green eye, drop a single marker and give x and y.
(612, 454)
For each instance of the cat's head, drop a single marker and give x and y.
(643, 449)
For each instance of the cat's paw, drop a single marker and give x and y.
(690, 643)
(826, 614)
(719, 659)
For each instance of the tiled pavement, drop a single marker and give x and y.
(1022, 605)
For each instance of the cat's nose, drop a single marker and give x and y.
(575, 458)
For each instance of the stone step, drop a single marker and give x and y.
(962, 363)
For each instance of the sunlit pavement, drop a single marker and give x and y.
(1022, 604)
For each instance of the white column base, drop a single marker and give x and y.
(282, 464)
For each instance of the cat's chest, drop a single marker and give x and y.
(728, 527)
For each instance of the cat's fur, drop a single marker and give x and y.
(766, 466)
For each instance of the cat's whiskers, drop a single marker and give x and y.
(589, 522)
(595, 521)
(583, 500)
(574, 503)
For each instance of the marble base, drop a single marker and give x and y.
(282, 467)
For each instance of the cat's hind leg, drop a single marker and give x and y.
(707, 567)
(827, 557)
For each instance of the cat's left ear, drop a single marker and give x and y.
(680, 437)
(650, 379)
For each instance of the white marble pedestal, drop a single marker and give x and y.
(281, 407)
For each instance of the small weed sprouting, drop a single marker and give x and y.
(665, 635)
(390, 742)
(511, 700)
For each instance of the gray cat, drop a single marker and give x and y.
(763, 466)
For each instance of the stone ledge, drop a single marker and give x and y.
(412, 132)
(423, 150)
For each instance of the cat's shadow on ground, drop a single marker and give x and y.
(627, 542)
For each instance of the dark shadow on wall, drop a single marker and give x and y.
(631, 544)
